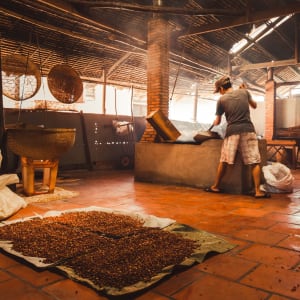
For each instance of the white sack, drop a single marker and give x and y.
(278, 178)
(7, 179)
(10, 203)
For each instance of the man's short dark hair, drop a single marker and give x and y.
(223, 82)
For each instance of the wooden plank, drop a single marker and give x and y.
(269, 64)
(250, 18)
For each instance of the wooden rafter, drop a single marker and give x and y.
(159, 9)
(254, 17)
(269, 64)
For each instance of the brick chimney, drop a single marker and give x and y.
(270, 106)
(157, 71)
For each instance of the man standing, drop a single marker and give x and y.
(240, 133)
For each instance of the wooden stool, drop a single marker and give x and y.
(50, 168)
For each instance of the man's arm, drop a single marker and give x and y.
(217, 120)
(251, 102)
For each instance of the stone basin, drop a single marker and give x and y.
(40, 143)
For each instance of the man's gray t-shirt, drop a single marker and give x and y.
(235, 106)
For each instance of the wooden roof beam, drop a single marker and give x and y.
(61, 30)
(280, 63)
(254, 17)
(117, 64)
(270, 64)
(76, 16)
(158, 9)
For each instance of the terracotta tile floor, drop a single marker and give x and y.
(265, 264)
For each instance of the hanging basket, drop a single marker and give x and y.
(65, 84)
(21, 78)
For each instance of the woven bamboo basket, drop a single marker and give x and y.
(21, 78)
(65, 84)
(40, 143)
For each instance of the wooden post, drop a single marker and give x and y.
(3, 147)
(195, 104)
(104, 93)
(297, 24)
(2, 129)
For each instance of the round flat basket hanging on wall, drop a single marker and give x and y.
(21, 78)
(65, 84)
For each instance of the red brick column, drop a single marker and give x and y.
(270, 109)
(157, 71)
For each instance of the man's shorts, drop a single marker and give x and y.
(246, 143)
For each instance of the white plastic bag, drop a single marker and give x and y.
(7, 179)
(10, 203)
(279, 178)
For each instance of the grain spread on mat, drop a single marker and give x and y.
(108, 249)
(51, 241)
(133, 258)
(101, 222)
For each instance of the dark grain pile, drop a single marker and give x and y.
(108, 249)
(134, 258)
(101, 222)
(52, 241)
